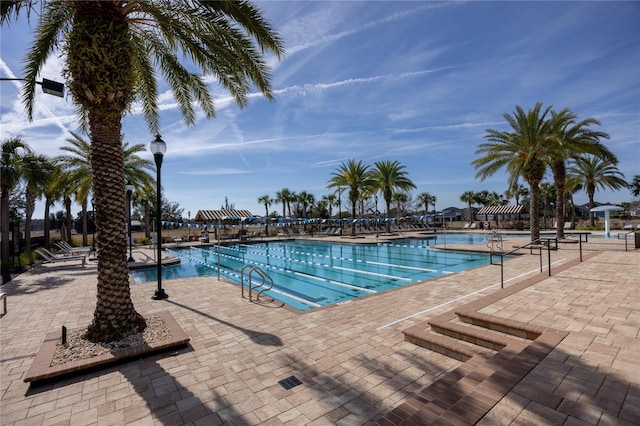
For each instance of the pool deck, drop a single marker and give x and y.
(353, 361)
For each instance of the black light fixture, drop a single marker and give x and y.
(49, 87)
(129, 188)
(158, 148)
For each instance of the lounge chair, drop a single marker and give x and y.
(281, 233)
(68, 249)
(302, 232)
(49, 257)
(328, 231)
(466, 225)
(628, 226)
(472, 226)
(290, 232)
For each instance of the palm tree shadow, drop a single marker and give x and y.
(259, 337)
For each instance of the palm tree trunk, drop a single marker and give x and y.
(592, 204)
(559, 177)
(353, 218)
(85, 239)
(147, 221)
(29, 208)
(4, 225)
(534, 212)
(47, 224)
(388, 224)
(67, 204)
(115, 315)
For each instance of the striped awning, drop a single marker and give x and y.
(224, 214)
(501, 209)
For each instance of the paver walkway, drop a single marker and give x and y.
(352, 359)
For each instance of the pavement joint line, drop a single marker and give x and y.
(382, 327)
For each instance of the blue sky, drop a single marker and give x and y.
(416, 82)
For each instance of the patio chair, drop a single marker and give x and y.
(49, 257)
(68, 249)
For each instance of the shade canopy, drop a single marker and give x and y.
(223, 214)
(607, 208)
(501, 209)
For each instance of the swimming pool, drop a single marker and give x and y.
(310, 274)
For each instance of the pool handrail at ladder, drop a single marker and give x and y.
(266, 279)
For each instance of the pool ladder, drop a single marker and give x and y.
(266, 281)
(494, 238)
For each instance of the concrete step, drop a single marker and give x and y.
(481, 336)
(442, 344)
(508, 326)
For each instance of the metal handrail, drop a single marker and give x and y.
(626, 245)
(494, 236)
(265, 279)
(539, 244)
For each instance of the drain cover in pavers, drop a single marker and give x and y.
(290, 382)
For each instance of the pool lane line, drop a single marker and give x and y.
(400, 266)
(376, 274)
(457, 299)
(353, 287)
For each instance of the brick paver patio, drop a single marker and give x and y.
(352, 360)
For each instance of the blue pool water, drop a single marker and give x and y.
(310, 274)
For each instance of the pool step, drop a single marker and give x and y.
(463, 334)
(445, 345)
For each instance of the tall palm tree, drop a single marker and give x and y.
(517, 191)
(390, 176)
(285, 196)
(37, 172)
(305, 199)
(635, 186)
(12, 155)
(570, 138)
(400, 198)
(426, 199)
(357, 177)
(52, 193)
(77, 163)
(521, 152)
(593, 173)
(266, 201)
(469, 197)
(110, 49)
(331, 200)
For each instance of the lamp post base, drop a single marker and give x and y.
(130, 259)
(160, 295)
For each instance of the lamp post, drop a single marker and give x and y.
(189, 226)
(340, 208)
(158, 148)
(129, 188)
